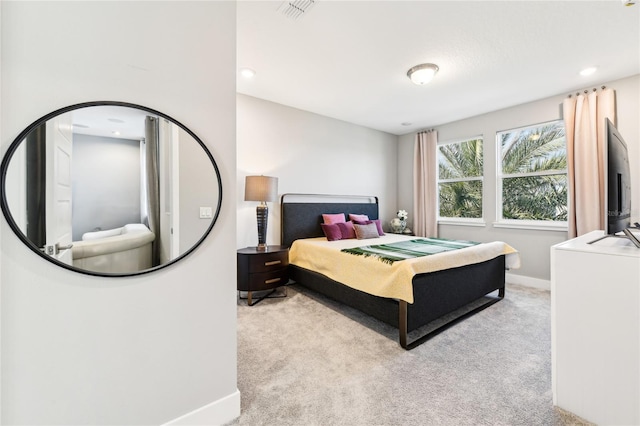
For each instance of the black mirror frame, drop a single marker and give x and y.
(18, 140)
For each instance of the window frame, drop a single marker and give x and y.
(449, 220)
(501, 222)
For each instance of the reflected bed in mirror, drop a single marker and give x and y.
(110, 189)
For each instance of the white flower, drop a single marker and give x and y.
(402, 214)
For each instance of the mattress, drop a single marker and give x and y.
(370, 275)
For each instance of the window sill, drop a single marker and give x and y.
(462, 222)
(537, 226)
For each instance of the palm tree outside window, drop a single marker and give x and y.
(532, 173)
(460, 179)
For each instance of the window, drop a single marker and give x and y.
(532, 173)
(460, 179)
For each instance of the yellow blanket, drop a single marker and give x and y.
(370, 275)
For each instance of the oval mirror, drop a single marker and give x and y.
(110, 189)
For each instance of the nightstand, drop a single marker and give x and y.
(410, 233)
(262, 270)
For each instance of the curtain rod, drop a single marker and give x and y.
(586, 91)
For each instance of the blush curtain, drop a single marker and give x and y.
(424, 185)
(584, 118)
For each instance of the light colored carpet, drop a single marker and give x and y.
(306, 360)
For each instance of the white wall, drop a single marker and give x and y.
(534, 246)
(78, 349)
(309, 154)
(1, 227)
(196, 175)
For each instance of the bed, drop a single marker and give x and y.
(443, 297)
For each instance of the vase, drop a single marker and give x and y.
(398, 225)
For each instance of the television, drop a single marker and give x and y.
(617, 186)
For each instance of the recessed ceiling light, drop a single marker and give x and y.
(247, 72)
(588, 71)
(115, 132)
(423, 73)
(406, 123)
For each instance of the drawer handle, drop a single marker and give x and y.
(273, 262)
(271, 281)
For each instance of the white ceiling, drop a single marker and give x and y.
(110, 121)
(348, 59)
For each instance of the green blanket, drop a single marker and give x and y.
(402, 250)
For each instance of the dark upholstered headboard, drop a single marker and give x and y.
(301, 214)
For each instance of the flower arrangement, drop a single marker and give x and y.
(402, 215)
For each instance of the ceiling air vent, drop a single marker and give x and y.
(295, 9)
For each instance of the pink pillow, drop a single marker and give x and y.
(333, 218)
(376, 221)
(346, 228)
(332, 232)
(358, 217)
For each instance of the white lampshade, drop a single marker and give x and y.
(423, 73)
(261, 188)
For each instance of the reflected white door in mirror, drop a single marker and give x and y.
(110, 188)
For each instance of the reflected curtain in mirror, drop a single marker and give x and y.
(36, 189)
(152, 186)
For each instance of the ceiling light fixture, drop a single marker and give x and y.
(423, 73)
(247, 72)
(588, 71)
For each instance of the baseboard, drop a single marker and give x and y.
(528, 281)
(216, 413)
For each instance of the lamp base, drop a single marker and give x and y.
(262, 213)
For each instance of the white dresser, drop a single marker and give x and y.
(595, 329)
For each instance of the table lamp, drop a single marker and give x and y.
(263, 189)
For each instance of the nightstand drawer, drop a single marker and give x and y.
(268, 262)
(268, 280)
(262, 270)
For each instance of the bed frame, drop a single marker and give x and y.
(436, 294)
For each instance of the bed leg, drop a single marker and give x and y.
(501, 292)
(402, 323)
